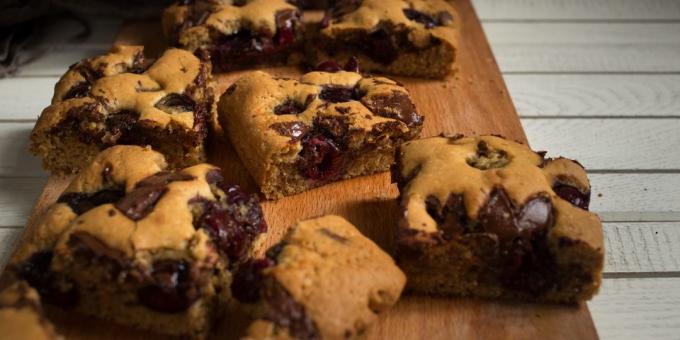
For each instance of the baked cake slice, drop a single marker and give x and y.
(136, 244)
(235, 34)
(488, 217)
(402, 37)
(123, 98)
(324, 280)
(294, 135)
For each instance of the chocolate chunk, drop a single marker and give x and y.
(247, 281)
(342, 7)
(294, 130)
(140, 202)
(275, 250)
(536, 214)
(81, 202)
(397, 105)
(164, 178)
(439, 19)
(78, 90)
(287, 313)
(214, 176)
(352, 65)
(121, 129)
(329, 66)
(451, 218)
(173, 289)
(380, 46)
(339, 94)
(497, 216)
(572, 195)
(37, 272)
(289, 107)
(143, 198)
(333, 236)
(95, 252)
(230, 89)
(176, 103)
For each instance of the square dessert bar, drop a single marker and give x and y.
(325, 280)
(122, 98)
(133, 243)
(403, 37)
(235, 34)
(294, 135)
(21, 314)
(488, 217)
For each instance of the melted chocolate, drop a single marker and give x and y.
(397, 105)
(286, 312)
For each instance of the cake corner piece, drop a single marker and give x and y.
(488, 217)
(134, 243)
(321, 262)
(123, 98)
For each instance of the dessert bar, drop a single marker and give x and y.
(325, 280)
(131, 242)
(488, 217)
(294, 135)
(401, 37)
(123, 98)
(235, 34)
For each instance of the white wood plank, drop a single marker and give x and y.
(25, 98)
(594, 95)
(577, 9)
(636, 197)
(15, 159)
(611, 144)
(637, 309)
(17, 198)
(585, 47)
(642, 247)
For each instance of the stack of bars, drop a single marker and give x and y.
(148, 235)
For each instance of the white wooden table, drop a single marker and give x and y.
(595, 80)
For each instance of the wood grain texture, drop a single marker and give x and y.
(592, 141)
(606, 96)
(638, 308)
(579, 10)
(14, 144)
(636, 197)
(480, 104)
(642, 248)
(585, 47)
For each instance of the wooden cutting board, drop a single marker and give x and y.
(474, 101)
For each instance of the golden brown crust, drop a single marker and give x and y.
(266, 140)
(21, 316)
(340, 278)
(104, 97)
